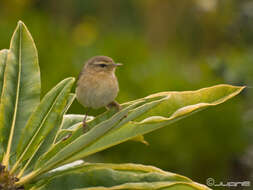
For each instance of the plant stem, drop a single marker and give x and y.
(24, 180)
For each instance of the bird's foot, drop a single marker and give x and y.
(117, 106)
(114, 104)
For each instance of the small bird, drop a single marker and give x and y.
(97, 85)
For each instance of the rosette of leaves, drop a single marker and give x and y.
(35, 153)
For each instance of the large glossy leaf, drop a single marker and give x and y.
(171, 107)
(177, 106)
(21, 89)
(44, 120)
(161, 110)
(114, 176)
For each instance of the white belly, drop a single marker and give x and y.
(98, 93)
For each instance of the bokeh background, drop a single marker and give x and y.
(165, 46)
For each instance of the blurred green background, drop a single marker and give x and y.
(165, 46)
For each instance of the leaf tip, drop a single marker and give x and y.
(241, 88)
(20, 23)
(69, 80)
(72, 79)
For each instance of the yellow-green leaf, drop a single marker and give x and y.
(176, 105)
(21, 89)
(114, 176)
(143, 116)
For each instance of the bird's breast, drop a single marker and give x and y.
(96, 92)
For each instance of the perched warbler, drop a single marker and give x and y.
(97, 85)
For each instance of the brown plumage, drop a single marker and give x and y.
(97, 85)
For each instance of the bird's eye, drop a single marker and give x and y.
(102, 65)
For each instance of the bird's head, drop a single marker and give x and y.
(99, 64)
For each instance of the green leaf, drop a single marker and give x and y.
(21, 89)
(3, 59)
(152, 186)
(50, 139)
(71, 122)
(161, 110)
(82, 140)
(114, 176)
(174, 105)
(140, 139)
(70, 100)
(78, 130)
(44, 120)
(72, 119)
(178, 105)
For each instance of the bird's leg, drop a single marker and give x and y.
(84, 121)
(85, 127)
(114, 104)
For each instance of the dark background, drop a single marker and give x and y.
(164, 45)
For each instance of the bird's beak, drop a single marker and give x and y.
(117, 64)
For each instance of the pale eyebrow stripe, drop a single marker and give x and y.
(102, 62)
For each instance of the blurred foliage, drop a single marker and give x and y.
(164, 45)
